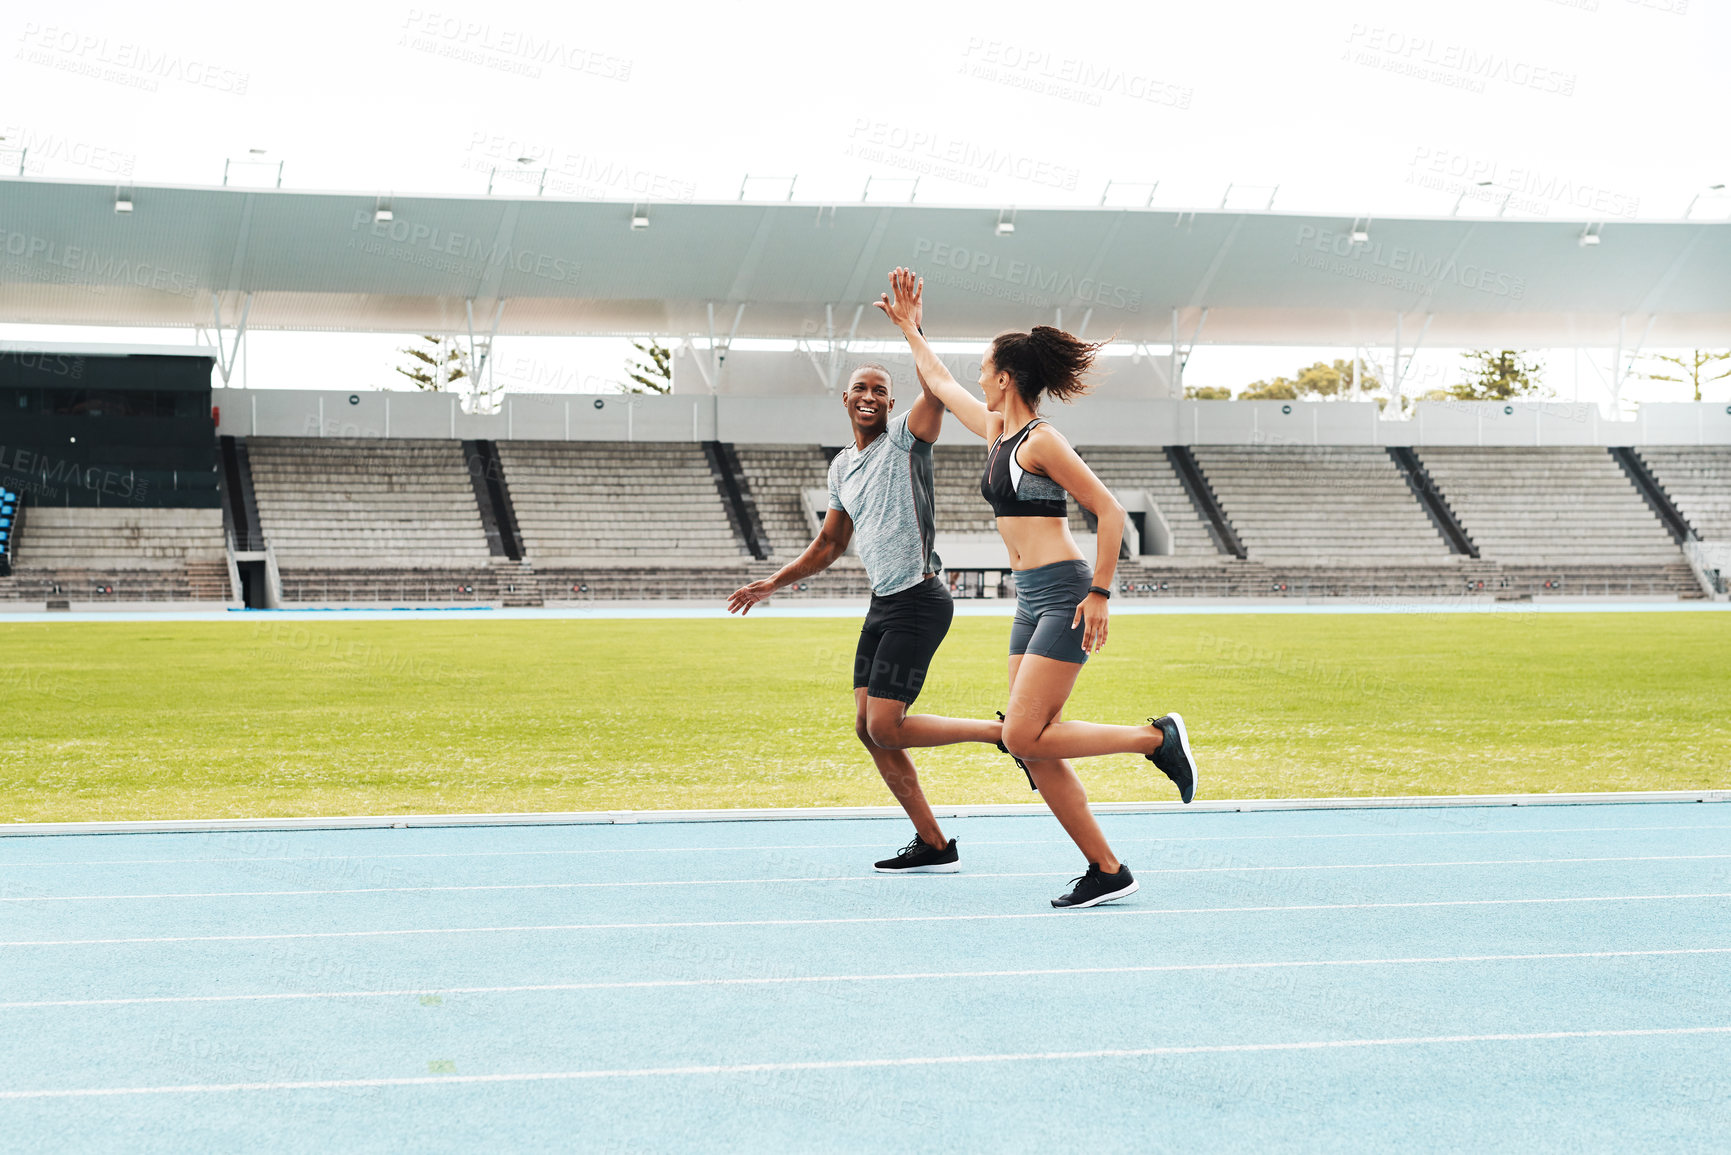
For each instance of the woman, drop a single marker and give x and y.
(1060, 605)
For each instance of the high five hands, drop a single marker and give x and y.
(904, 302)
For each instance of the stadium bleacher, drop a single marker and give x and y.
(1319, 505)
(598, 504)
(780, 476)
(1127, 470)
(1549, 507)
(119, 553)
(1698, 481)
(334, 504)
(398, 520)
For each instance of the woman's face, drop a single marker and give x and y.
(994, 384)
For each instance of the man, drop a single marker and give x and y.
(881, 487)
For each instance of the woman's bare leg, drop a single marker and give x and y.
(1063, 791)
(1032, 729)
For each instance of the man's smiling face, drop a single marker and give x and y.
(868, 401)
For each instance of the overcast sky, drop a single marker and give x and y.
(1593, 108)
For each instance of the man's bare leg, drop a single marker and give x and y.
(890, 726)
(898, 773)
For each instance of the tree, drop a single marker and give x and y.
(1322, 380)
(1208, 393)
(436, 367)
(1494, 375)
(1319, 381)
(1694, 370)
(654, 375)
(1279, 389)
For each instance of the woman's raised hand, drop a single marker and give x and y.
(903, 303)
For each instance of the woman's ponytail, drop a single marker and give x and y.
(1045, 362)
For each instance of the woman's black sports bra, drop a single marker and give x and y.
(1012, 491)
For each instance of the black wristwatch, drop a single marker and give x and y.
(1102, 591)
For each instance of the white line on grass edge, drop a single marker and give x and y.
(856, 1064)
(805, 813)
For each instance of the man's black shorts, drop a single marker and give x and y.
(900, 635)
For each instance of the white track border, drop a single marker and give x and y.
(799, 814)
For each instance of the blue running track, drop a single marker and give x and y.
(1550, 978)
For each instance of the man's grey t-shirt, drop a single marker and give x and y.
(887, 489)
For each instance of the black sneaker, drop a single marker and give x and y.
(1174, 759)
(919, 858)
(1095, 887)
(1020, 765)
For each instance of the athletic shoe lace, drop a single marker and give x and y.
(1091, 872)
(912, 848)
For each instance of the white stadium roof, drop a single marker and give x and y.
(78, 253)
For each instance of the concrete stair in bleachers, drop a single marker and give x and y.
(779, 476)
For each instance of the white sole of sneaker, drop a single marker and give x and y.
(1184, 745)
(940, 868)
(1113, 897)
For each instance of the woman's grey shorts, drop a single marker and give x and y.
(1046, 601)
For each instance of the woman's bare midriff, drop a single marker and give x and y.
(1037, 541)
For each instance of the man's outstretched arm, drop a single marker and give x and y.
(830, 544)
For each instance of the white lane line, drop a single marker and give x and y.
(840, 878)
(1119, 912)
(898, 976)
(856, 1064)
(320, 858)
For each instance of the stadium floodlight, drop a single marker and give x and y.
(639, 217)
(1361, 231)
(382, 211)
(1006, 222)
(1589, 236)
(122, 200)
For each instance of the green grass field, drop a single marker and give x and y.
(273, 717)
